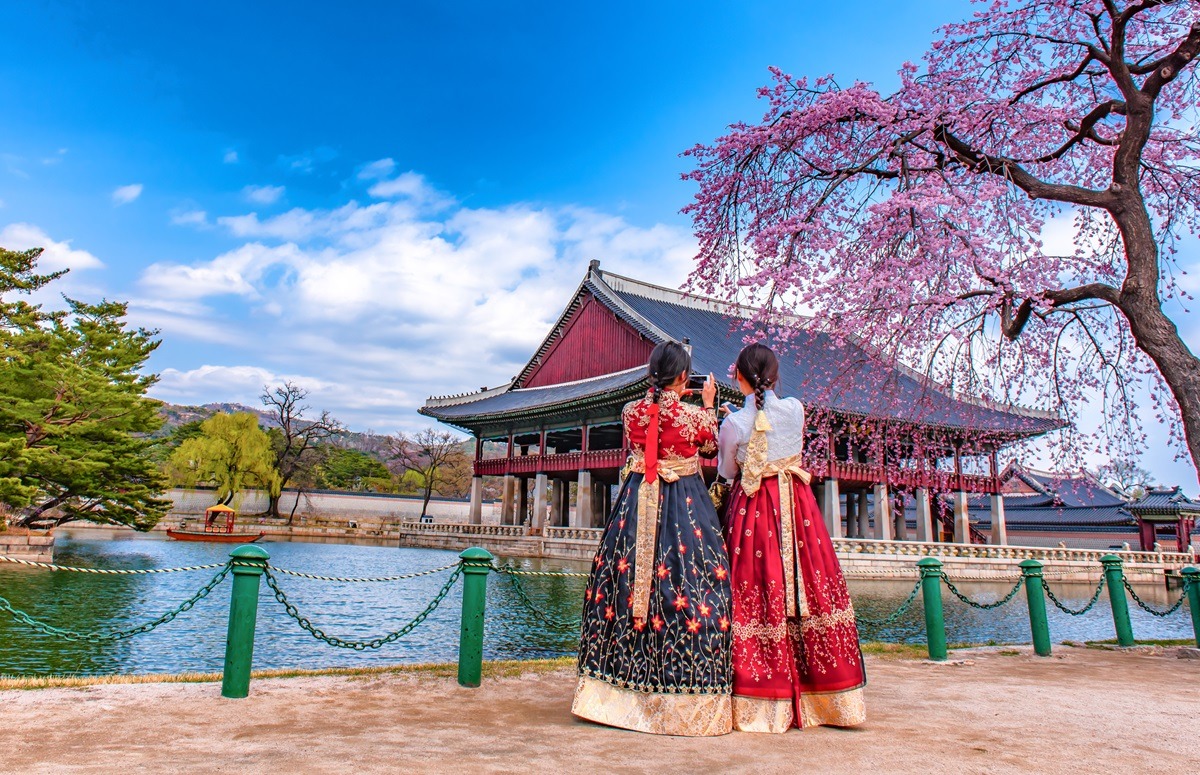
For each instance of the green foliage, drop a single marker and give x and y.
(231, 453)
(73, 409)
(349, 469)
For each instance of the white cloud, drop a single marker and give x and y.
(377, 169)
(55, 256)
(123, 195)
(231, 157)
(263, 195)
(398, 301)
(413, 187)
(189, 218)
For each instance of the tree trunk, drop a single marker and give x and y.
(1159, 338)
(425, 502)
(273, 505)
(295, 503)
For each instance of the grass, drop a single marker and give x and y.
(499, 669)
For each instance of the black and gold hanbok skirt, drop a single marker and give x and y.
(669, 672)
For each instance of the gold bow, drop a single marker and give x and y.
(669, 470)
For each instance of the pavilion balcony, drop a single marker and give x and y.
(939, 481)
(591, 460)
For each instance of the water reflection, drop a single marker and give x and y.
(195, 641)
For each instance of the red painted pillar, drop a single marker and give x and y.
(1146, 535)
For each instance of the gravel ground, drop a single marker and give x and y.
(988, 711)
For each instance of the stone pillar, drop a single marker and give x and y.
(508, 504)
(584, 498)
(522, 501)
(900, 519)
(558, 503)
(831, 504)
(962, 525)
(477, 500)
(999, 527)
(540, 490)
(852, 515)
(883, 513)
(864, 516)
(924, 516)
(599, 512)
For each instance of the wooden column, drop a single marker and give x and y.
(999, 525)
(864, 516)
(852, 515)
(523, 501)
(558, 503)
(476, 513)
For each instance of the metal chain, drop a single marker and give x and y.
(895, 616)
(103, 637)
(1075, 611)
(360, 645)
(1152, 611)
(109, 571)
(419, 574)
(531, 607)
(982, 606)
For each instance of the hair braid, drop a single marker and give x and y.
(759, 393)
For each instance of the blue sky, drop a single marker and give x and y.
(384, 201)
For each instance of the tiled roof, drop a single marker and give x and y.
(813, 368)
(1165, 501)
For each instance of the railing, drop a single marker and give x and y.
(539, 464)
(1005, 552)
(941, 481)
(575, 533)
(458, 528)
(249, 565)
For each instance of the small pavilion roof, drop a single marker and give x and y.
(1165, 502)
(840, 377)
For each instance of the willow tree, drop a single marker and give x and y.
(232, 453)
(913, 222)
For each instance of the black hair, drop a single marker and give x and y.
(758, 365)
(667, 362)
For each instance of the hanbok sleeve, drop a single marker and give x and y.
(727, 447)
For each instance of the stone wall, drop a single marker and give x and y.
(32, 545)
(326, 506)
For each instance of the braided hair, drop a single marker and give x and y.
(758, 365)
(667, 362)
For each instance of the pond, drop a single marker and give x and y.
(195, 641)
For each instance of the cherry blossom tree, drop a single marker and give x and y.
(913, 222)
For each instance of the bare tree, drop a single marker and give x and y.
(295, 440)
(434, 457)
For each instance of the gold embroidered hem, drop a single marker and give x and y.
(836, 709)
(691, 715)
(759, 714)
(669, 470)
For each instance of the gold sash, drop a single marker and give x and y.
(669, 470)
(757, 468)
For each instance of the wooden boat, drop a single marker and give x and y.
(218, 528)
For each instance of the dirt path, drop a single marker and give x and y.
(1082, 710)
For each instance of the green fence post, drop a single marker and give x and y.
(931, 596)
(476, 564)
(1035, 593)
(249, 564)
(1191, 584)
(1114, 579)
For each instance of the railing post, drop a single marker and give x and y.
(1035, 593)
(249, 564)
(1114, 579)
(1191, 584)
(476, 564)
(931, 597)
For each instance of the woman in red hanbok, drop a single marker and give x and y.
(796, 656)
(654, 647)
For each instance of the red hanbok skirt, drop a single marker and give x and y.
(798, 671)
